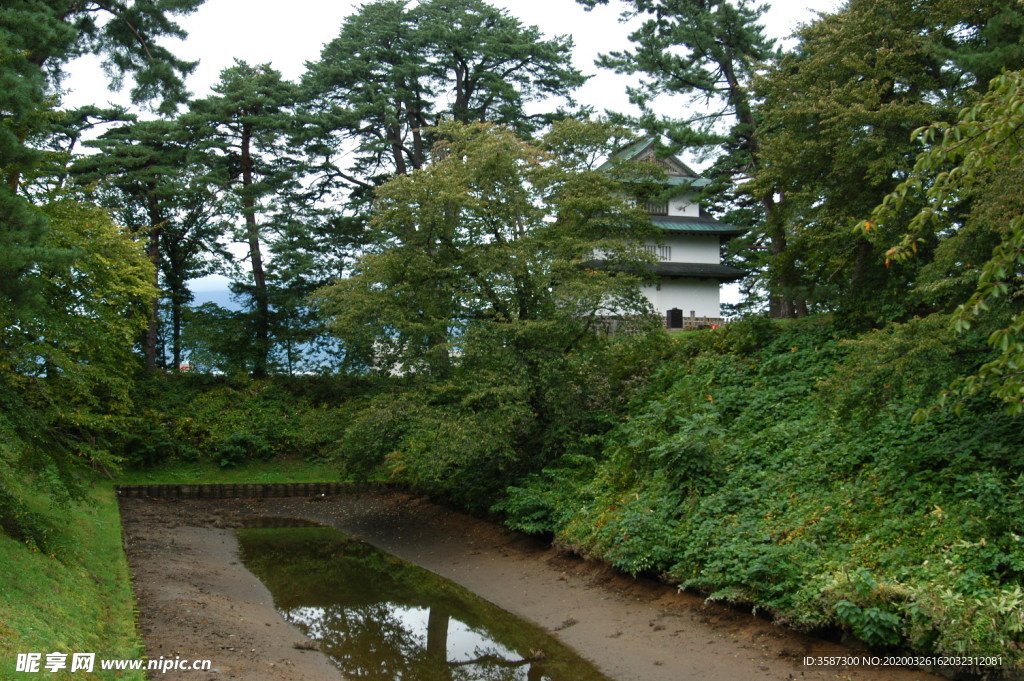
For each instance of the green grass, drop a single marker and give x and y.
(78, 600)
(256, 472)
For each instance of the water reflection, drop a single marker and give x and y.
(382, 619)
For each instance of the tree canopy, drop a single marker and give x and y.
(396, 70)
(494, 233)
(75, 289)
(969, 160)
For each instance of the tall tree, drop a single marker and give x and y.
(968, 160)
(394, 71)
(136, 173)
(835, 118)
(190, 247)
(248, 119)
(67, 368)
(491, 240)
(72, 287)
(150, 175)
(311, 249)
(36, 40)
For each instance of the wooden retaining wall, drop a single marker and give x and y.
(248, 491)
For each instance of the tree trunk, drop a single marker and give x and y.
(176, 329)
(252, 231)
(783, 278)
(437, 642)
(437, 635)
(153, 251)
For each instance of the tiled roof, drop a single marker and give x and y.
(696, 270)
(638, 149)
(695, 225)
(701, 270)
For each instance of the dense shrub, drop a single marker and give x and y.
(231, 420)
(783, 466)
(503, 414)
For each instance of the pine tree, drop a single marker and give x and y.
(395, 71)
(72, 286)
(148, 174)
(36, 40)
(836, 118)
(248, 119)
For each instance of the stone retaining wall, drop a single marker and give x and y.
(233, 491)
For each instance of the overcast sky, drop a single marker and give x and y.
(258, 31)
(287, 35)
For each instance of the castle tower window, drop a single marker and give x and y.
(656, 207)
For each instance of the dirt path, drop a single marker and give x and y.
(197, 601)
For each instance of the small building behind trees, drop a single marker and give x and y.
(687, 291)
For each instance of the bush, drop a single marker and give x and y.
(233, 420)
(780, 465)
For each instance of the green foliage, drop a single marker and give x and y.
(490, 243)
(150, 175)
(702, 51)
(872, 623)
(544, 501)
(375, 429)
(246, 122)
(904, 360)
(232, 421)
(66, 368)
(836, 117)
(991, 42)
(72, 285)
(777, 464)
(960, 157)
(874, 626)
(460, 60)
(461, 440)
(207, 472)
(497, 420)
(480, 304)
(217, 340)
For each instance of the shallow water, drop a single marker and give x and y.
(381, 618)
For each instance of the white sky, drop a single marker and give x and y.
(261, 31)
(258, 31)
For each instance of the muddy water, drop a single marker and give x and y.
(380, 618)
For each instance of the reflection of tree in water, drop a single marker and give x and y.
(382, 619)
(375, 642)
(366, 642)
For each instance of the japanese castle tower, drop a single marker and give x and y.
(689, 268)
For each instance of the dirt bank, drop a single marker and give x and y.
(197, 601)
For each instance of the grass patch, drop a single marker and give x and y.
(252, 472)
(78, 600)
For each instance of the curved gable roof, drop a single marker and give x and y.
(645, 150)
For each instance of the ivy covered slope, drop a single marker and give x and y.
(780, 465)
